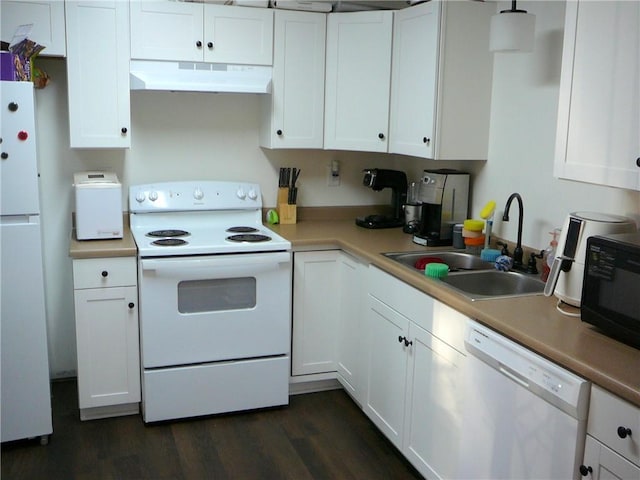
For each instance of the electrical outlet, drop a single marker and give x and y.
(332, 179)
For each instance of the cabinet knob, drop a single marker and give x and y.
(199, 44)
(13, 106)
(400, 339)
(4, 155)
(638, 161)
(131, 304)
(381, 136)
(584, 470)
(210, 44)
(426, 140)
(408, 343)
(105, 274)
(279, 132)
(124, 130)
(623, 432)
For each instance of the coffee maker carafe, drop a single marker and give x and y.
(445, 201)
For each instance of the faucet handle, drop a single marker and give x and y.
(532, 265)
(505, 249)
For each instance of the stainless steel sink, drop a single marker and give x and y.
(473, 277)
(490, 284)
(457, 261)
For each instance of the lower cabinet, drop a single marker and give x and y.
(316, 303)
(612, 449)
(106, 312)
(414, 371)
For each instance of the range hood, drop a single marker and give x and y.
(199, 77)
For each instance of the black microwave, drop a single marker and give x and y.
(611, 286)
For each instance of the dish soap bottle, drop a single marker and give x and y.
(549, 254)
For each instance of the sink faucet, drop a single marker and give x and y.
(517, 252)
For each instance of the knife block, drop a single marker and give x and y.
(286, 212)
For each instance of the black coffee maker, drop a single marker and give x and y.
(378, 179)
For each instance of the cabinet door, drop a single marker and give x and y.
(605, 464)
(413, 80)
(108, 354)
(358, 77)
(47, 18)
(387, 358)
(315, 312)
(433, 419)
(98, 73)
(238, 35)
(599, 107)
(294, 112)
(349, 330)
(167, 31)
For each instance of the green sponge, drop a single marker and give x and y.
(436, 270)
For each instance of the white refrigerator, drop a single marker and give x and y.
(25, 400)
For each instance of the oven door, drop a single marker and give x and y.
(211, 308)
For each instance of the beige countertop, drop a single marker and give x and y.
(531, 321)
(124, 247)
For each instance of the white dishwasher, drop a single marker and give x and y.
(524, 417)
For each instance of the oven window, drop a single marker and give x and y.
(216, 295)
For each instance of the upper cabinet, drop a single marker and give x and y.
(441, 81)
(358, 77)
(294, 112)
(98, 73)
(187, 31)
(599, 106)
(47, 18)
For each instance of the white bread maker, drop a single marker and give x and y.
(98, 205)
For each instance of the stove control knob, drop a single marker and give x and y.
(153, 196)
(198, 194)
(241, 193)
(252, 194)
(140, 197)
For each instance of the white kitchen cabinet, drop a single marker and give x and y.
(350, 347)
(316, 306)
(294, 112)
(613, 445)
(414, 372)
(357, 80)
(98, 73)
(602, 463)
(47, 17)
(597, 137)
(186, 31)
(441, 80)
(106, 311)
(386, 369)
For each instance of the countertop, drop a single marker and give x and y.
(120, 247)
(531, 321)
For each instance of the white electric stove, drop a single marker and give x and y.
(214, 297)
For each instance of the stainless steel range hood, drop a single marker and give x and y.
(199, 77)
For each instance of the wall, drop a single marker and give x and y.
(189, 136)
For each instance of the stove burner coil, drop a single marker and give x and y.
(169, 242)
(168, 233)
(242, 230)
(250, 237)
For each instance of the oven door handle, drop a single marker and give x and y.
(248, 262)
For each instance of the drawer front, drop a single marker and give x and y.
(104, 272)
(607, 413)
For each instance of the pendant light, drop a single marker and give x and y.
(512, 30)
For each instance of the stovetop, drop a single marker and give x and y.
(199, 218)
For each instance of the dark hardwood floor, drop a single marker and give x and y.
(318, 436)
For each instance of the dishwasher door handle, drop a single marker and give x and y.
(516, 377)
